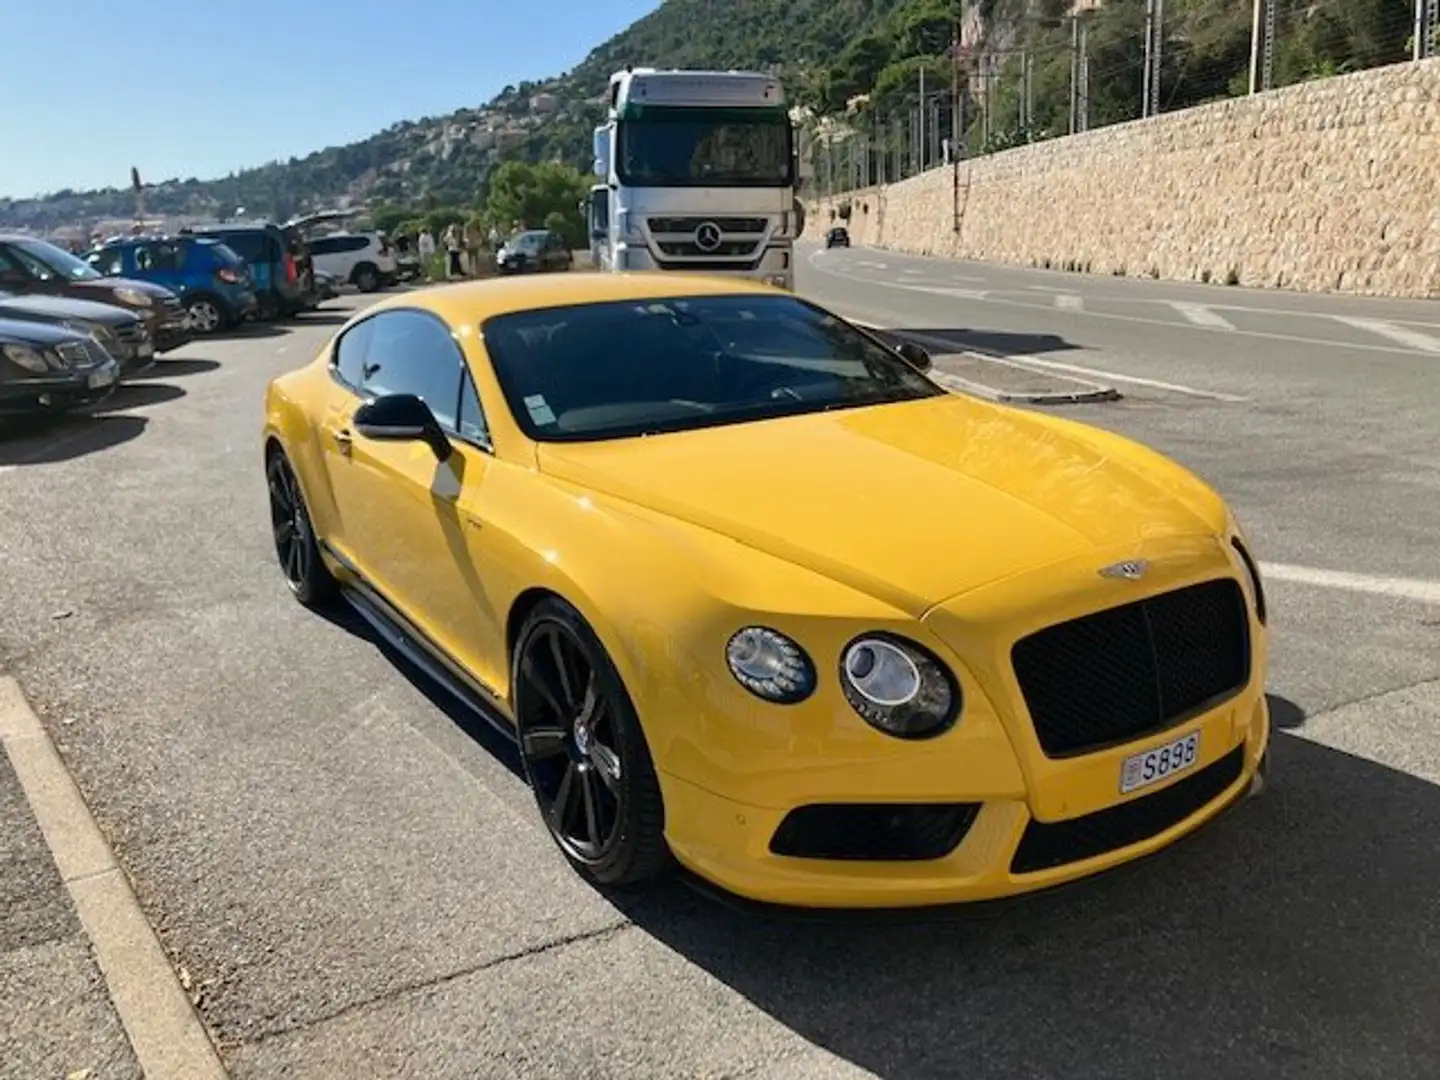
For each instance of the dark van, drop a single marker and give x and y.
(275, 260)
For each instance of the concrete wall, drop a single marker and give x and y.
(1330, 185)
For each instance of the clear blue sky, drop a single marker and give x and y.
(92, 87)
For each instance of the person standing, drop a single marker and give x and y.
(453, 268)
(426, 248)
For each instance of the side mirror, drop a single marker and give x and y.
(915, 354)
(402, 418)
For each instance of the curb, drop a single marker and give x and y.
(166, 1034)
(1091, 394)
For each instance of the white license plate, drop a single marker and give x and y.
(1142, 770)
(100, 378)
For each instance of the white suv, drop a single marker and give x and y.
(365, 259)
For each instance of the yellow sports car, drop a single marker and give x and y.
(755, 595)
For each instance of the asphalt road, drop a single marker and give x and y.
(353, 883)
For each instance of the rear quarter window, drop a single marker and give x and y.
(249, 246)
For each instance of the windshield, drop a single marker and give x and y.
(47, 261)
(628, 368)
(699, 148)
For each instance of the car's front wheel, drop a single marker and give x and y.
(206, 314)
(585, 754)
(296, 547)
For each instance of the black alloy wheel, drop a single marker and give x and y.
(584, 752)
(295, 544)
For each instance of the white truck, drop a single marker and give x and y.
(697, 171)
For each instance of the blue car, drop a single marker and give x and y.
(213, 283)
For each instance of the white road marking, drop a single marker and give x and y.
(944, 290)
(1046, 288)
(1413, 339)
(1420, 591)
(1201, 315)
(1069, 302)
(1133, 380)
(166, 1035)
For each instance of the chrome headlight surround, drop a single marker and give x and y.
(771, 665)
(899, 687)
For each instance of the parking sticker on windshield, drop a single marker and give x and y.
(540, 412)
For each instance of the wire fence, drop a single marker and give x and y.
(1123, 60)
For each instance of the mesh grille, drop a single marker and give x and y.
(1133, 670)
(898, 832)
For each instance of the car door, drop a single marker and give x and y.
(410, 518)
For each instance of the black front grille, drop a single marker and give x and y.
(877, 832)
(1046, 845)
(690, 224)
(1134, 670)
(132, 333)
(706, 266)
(733, 249)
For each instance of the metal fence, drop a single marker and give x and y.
(1114, 61)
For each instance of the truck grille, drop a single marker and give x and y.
(690, 224)
(733, 249)
(1116, 675)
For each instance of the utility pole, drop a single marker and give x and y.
(1154, 38)
(1082, 111)
(1427, 16)
(1262, 46)
(921, 140)
(1074, 73)
(957, 121)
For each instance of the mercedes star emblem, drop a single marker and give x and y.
(707, 237)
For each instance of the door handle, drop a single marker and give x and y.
(344, 440)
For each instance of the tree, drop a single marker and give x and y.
(546, 195)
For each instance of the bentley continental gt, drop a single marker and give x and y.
(756, 596)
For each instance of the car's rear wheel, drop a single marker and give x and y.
(295, 545)
(585, 754)
(206, 314)
(366, 278)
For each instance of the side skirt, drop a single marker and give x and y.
(412, 643)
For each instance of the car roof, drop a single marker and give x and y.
(473, 302)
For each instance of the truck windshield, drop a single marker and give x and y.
(690, 150)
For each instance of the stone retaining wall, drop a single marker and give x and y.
(1332, 185)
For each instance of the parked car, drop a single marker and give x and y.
(363, 259)
(327, 287)
(700, 600)
(49, 369)
(120, 331)
(535, 252)
(277, 273)
(212, 281)
(837, 237)
(35, 267)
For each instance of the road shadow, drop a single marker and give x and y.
(247, 331)
(137, 396)
(67, 438)
(325, 318)
(1297, 935)
(996, 342)
(463, 714)
(164, 368)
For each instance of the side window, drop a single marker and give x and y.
(412, 353)
(145, 257)
(322, 245)
(11, 272)
(356, 243)
(350, 353)
(108, 261)
(167, 257)
(471, 421)
(248, 245)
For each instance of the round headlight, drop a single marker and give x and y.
(770, 665)
(26, 357)
(899, 687)
(133, 297)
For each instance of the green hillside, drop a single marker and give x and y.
(828, 51)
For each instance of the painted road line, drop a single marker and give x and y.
(168, 1039)
(1412, 339)
(1420, 591)
(1201, 315)
(1133, 380)
(1069, 302)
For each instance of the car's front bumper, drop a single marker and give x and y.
(57, 393)
(729, 844)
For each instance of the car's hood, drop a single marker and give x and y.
(38, 334)
(913, 503)
(102, 287)
(62, 307)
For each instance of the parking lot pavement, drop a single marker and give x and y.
(351, 881)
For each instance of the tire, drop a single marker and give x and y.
(207, 314)
(296, 548)
(366, 277)
(611, 826)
